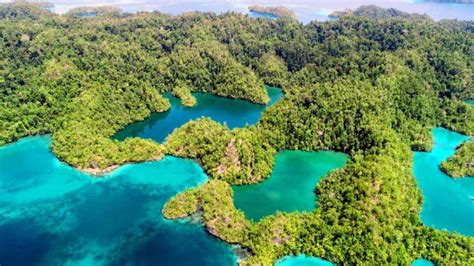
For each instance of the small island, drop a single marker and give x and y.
(279, 11)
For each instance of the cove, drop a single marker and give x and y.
(51, 214)
(447, 202)
(232, 112)
(291, 185)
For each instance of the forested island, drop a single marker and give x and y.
(371, 84)
(279, 11)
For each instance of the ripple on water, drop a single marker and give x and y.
(52, 214)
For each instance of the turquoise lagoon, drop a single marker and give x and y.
(447, 202)
(291, 185)
(51, 214)
(232, 112)
(422, 262)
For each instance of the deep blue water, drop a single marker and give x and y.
(232, 112)
(51, 214)
(447, 201)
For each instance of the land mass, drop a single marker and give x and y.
(371, 84)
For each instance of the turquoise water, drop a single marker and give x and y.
(51, 214)
(470, 101)
(447, 202)
(422, 262)
(291, 185)
(232, 112)
(303, 260)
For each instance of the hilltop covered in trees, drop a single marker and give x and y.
(372, 87)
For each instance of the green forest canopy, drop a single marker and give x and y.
(372, 83)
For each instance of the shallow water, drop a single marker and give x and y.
(303, 260)
(291, 185)
(232, 112)
(422, 262)
(470, 101)
(447, 202)
(51, 214)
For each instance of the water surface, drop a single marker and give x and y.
(291, 185)
(422, 262)
(232, 112)
(447, 201)
(303, 260)
(51, 214)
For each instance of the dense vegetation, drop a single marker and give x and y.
(462, 163)
(184, 94)
(371, 84)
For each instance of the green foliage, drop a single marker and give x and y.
(272, 70)
(183, 92)
(207, 66)
(462, 163)
(83, 138)
(240, 156)
(23, 10)
(215, 199)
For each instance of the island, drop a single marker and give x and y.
(93, 11)
(371, 85)
(279, 11)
